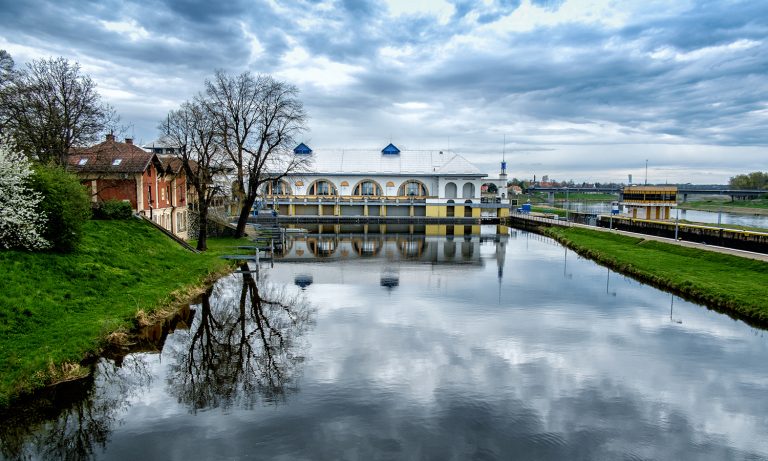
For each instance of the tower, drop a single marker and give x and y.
(503, 173)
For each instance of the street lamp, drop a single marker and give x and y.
(646, 172)
(677, 219)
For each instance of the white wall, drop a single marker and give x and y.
(435, 184)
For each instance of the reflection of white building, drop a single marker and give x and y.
(389, 182)
(393, 247)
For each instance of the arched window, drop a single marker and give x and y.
(277, 188)
(321, 187)
(450, 190)
(468, 191)
(367, 187)
(413, 188)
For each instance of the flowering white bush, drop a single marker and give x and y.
(21, 224)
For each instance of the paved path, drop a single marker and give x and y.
(700, 246)
(683, 243)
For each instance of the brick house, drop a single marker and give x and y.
(155, 186)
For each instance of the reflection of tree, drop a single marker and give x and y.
(73, 421)
(241, 348)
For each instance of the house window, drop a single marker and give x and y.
(117, 162)
(413, 188)
(181, 222)
(367, 188)
(82, 161)
(277, 188)
(322, 188)
(149, 194)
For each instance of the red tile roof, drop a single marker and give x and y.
(171, 163)
(109, 156)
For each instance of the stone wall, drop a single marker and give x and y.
(218, 224)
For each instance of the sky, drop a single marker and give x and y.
(588, 90)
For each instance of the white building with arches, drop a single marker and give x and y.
(387, 182)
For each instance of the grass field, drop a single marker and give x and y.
(586, 197)
(57, 309)
(725, 204)
(548, 210)
(726, 282)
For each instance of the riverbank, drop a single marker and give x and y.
(748, 207)
(728, 283)
(58, 309)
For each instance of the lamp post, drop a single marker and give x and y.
(646, 172)
(677, 219)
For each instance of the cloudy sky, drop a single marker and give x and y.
(581, 89)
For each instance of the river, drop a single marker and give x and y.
(406, 346)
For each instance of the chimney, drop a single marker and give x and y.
(110, 137)
(129, 140)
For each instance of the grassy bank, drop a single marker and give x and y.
(548, 210)
(586, 196)
(56, 309)
(726, 282)
(757, 206)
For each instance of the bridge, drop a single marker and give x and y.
(684, 191)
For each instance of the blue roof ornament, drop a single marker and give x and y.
(390, 150)
(302, 149)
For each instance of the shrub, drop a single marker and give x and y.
(113, 209)
(66, 205)
(21, 224)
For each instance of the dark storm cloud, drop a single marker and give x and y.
(693, 75)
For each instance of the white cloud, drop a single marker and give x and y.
(302, 68)
(440, 9)
(129, 28)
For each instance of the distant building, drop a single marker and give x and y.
(649, 202)
(387, 182)
(154, 185)
(162, 146)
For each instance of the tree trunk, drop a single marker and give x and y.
(202, 226)
(245, 213)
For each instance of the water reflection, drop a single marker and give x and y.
(75, 420)
(243, 346)
(404, 242)
(240, 349)
(512, 347)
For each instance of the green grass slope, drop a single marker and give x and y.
(56, 309)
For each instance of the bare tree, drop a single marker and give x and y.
(257, 119)
(192, 129)
(245, 344)
(49, 107)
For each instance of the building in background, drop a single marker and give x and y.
(387, 182)
(154, 185)
(649, 202)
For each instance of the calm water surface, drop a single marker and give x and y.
(413, 347)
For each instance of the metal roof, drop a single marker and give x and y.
(391, 149)
(302, 149)
(373, 162)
